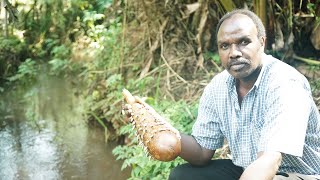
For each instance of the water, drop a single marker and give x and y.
(58, 143)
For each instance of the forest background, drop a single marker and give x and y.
(163, 51)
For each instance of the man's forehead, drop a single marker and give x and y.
(238, 23)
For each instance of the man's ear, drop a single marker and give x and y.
(263, 41)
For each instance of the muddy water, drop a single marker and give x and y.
(44, 136)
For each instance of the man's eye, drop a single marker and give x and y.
(224, 46)
(244, 42)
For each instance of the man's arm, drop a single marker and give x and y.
(192, 152)
(264, 168)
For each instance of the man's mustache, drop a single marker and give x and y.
(238, 61)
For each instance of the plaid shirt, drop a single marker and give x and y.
(277, 114)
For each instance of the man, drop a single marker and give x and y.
(260, 105)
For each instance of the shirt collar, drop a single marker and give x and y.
(231, 81)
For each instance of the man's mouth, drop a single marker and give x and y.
(237, 65)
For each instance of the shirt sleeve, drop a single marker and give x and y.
(286, 118)
(206, 129)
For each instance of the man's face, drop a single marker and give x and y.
(240, 49)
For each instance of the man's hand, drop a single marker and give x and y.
(264, 168)
(192, 152)
(159, 138)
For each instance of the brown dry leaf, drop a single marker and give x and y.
(305, 70)
(201, 28)
(191, 8)
(315, 37)
(279, 40)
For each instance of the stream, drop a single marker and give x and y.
(44, 136)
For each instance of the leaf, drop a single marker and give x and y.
(315, 37)
(191, 8)
(98, 16)
(228, 5)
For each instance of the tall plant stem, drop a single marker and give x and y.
(124, 22)
(261, 10)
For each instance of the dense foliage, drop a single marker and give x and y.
(163, 51)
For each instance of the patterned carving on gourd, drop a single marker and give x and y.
(160, 139)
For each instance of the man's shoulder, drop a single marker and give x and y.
(218, 83)
(280, 71)
(221, 77)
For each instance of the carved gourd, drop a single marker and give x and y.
(160, 139)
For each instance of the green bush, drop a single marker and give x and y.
(12, 53)
(60, 59)
(27, 72)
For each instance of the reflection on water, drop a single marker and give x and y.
(58, 144)
(26, 154)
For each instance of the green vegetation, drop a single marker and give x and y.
(163, 51)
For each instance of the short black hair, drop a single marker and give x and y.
(256, 20)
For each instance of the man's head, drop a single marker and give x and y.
(256, 20)
(241, 40)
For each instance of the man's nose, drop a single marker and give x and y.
(234, 51)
